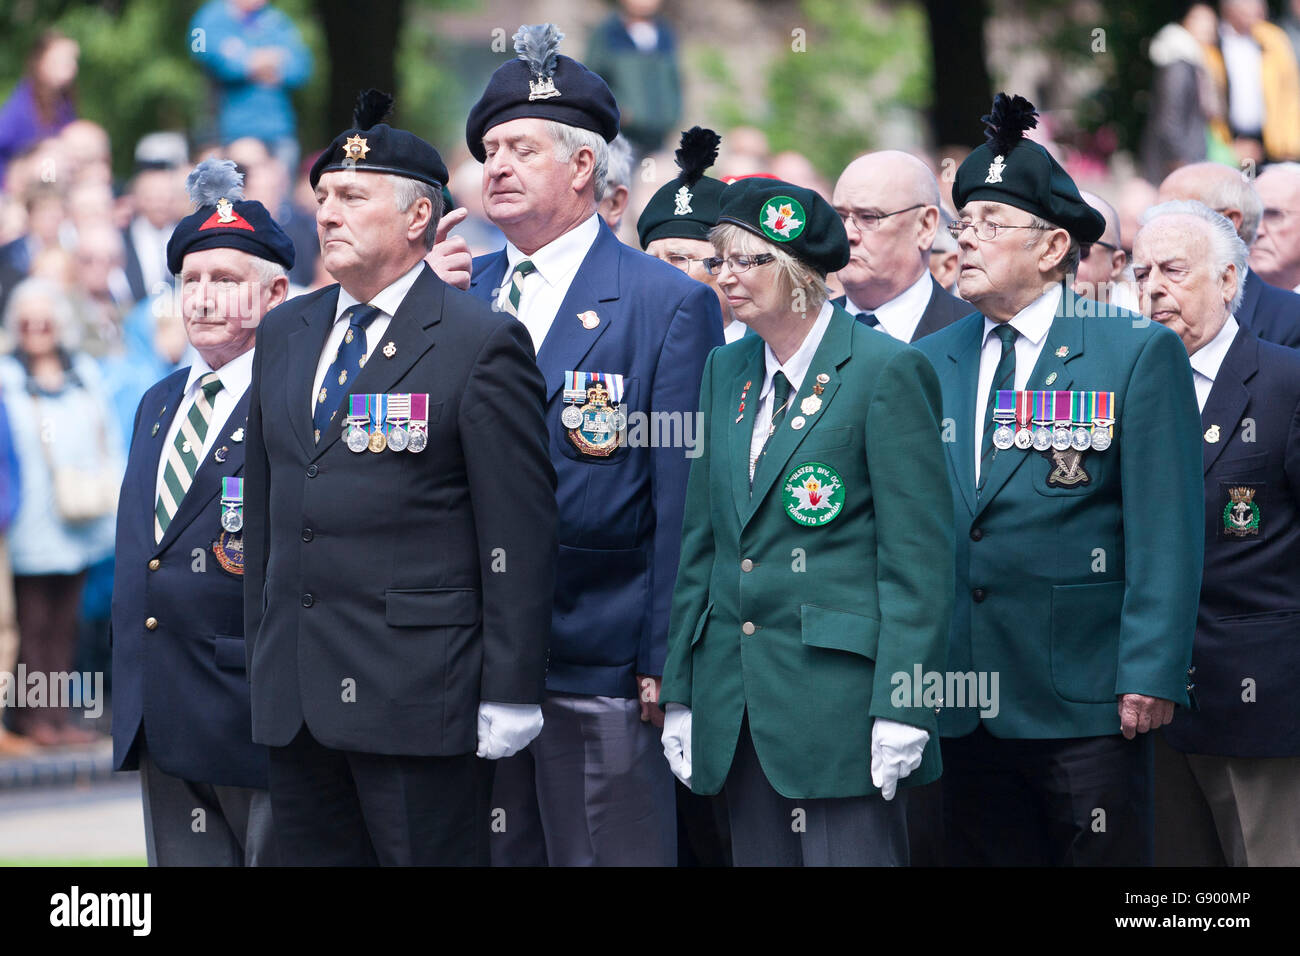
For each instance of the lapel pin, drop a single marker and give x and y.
(810, 405)
(822, 378)
(390, 350)
(1051, 378)
(1212, 434)
(797, 422)
(1063, 351)
(589, 319)
(220, 455)
(154, 430)
(818, 388)
(237, 435)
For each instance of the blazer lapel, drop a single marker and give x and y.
(959, 397)
(833, 351)
(931, 318)
(568, 341)
(1229, 396)
(741, 427)
(207, 480)
(305, 346)
(143, 479)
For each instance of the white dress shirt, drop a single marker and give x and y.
(1033, 323)
(795, 368)
(1209, 357)
(387, 301)
(235, 375)
(1243, 60)
(733, 331)
(151, 250)
(900, 316)
(545, 288)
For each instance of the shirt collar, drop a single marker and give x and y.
(1209, 357)
(796, 366)
(1035, 319)
(235, 375)
(559, 258)
(902, 314)
(388, 299)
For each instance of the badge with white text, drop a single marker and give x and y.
(813, 494)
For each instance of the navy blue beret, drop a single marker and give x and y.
(374, 147)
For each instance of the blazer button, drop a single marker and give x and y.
(747, 565)
(979, 594)
(976, 533)
(307, 534)
(748, 628)
(308, 600)
(312, 471)
(151, 623)
(155, 564)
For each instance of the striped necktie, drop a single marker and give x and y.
(349, 360)
(522, 270)
(780, 403)
(183, 455)
(1004, 376)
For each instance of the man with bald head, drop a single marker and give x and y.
(1100, 275)
(1271, 313)
(889, 202)
(1275, 257)
(1225, 769)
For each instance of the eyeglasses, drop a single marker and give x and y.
(737, 263)
(985, 231)
(868, 221)
(685, 262)
(1085, 248)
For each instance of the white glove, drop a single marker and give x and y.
(505, 729)
(677, 741)
(895, 752)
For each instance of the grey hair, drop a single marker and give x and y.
(1071, 261)
(1228, 248)
(268, 271)
(569, 139)
(1235, 192)
(620, 164)
(943, 240)
(407, 191)
(791, 274)
(65, 316)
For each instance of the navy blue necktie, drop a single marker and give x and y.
(869, 319)
(347, 363)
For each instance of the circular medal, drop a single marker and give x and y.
(356, 438)
(571, 417)
(1042, 438)
(419, 438)
(377, 442)
(619, 421)
(1080, 440)
(1023, 438)
(232, 520)
(1100, 438)
(1003, 437)
(1061, 438)
(398, 438)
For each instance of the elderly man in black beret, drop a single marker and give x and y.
(621, 338)
(180, 696)
(1075, 461)
(400, 539)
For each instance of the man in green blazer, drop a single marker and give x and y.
(1075, 462)
(817, 562)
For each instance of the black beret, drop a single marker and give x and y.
(225, 220)
(687, 206)
(375, 147)
(791, 216)
(1019, 172)
(544, 84)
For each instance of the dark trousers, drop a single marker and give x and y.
(342, 808)
(1078, 801)
(47, 609)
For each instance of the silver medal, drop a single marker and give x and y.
(398, 438)
(1100, 437)
(1003, 437)
(418, 439)
(571, 417)
(1042, 438)
(1023, 438)
(1080, 440)
(1061, 437)
(357, 438)
(232, 520)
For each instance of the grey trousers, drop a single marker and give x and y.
(203, 824)
(593, 789)
(768, 829)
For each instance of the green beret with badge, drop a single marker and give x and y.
(686, 207)
(797, 219)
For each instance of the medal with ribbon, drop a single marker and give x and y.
(1004, 413)
(1043, 409)
(601, 420)
(232, 504)
(1061, 420)
(419, 422)
(399, 416)
(355, 431)
(1081, 420)
(575, 394)
(1024, 408)
(376, 413)
(1103, 420)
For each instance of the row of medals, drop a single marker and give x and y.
(1059, 437)
(413, 437)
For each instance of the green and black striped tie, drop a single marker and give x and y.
(1004, 376)
(183, 455)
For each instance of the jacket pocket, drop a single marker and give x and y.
(826, 440)
(431, 607)
(1085, 640)
(838, 630)
(699, 627)
(228, 652)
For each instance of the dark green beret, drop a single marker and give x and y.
(1011, 169)
(797, 219)
(374, 147)
(687, 206)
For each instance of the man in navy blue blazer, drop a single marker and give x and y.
(1228, 771)
(180, 694)
(621, 339)
(1271, 313)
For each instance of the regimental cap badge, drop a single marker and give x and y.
(782, 218)
(682, 202)
(219, 183)
(996, 169)
(355, 148)
(225, 211)
(538, 45)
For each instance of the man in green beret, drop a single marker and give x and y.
(1074, 453)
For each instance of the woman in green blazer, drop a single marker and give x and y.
(815, 587)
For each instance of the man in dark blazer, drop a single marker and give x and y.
(401, 529)
(1228, 776)
(180, 694)
(1271, 313)
(889, 202)
(612, 327)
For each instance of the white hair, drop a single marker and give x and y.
(620, 164)
(569, 139)
(408, 191)
(1236, 192)
(65, 316)
(1071, 261)
(1226, 246)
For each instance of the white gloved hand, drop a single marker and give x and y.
(895, 752)
(505, 729)
(677, 741)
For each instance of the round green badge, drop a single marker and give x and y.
(813, 494)
(782, 218)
